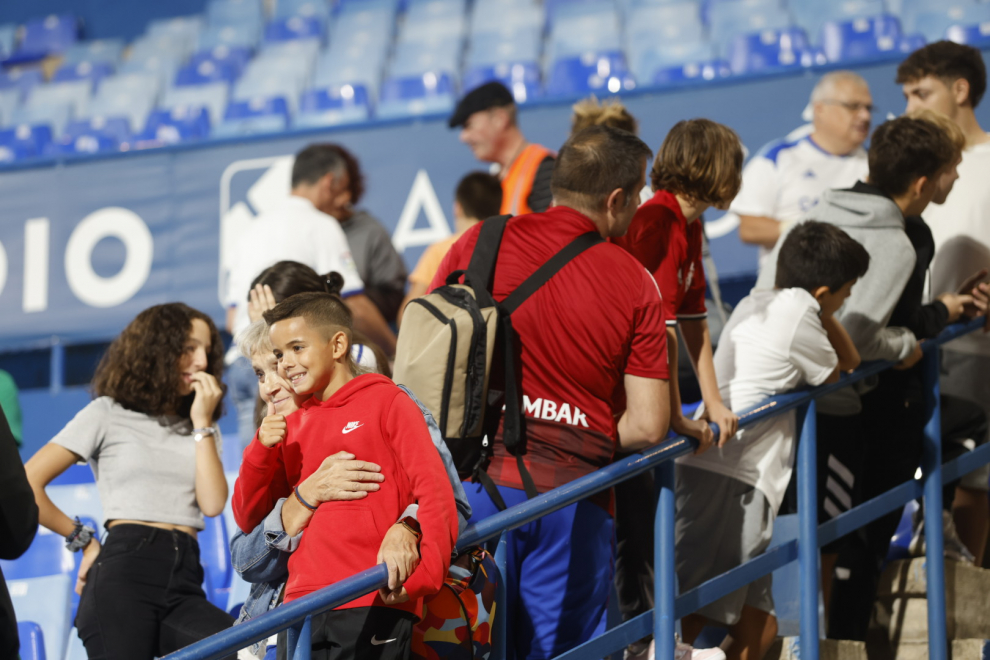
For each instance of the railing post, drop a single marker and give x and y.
(808, 539)
(931, 475)
(665, 580)
(499, 637)
(56, 366)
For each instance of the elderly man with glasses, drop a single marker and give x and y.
(787, 176)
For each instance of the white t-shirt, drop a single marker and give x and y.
(293, 230)
(787, 177)
(961, 228)
(774, 342)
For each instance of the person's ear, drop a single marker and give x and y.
(922, 186)
(960, 91)
(340, 345)
(820, 293)
(616, 202)
(458, 210)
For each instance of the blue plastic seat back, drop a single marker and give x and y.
(646, 61)
(419, 95)
(909, 10)
(97, 50)
(238, 35)
(500, 16)
(11, 153)
(43, 123)
(173, 45)
(318, 8)
(973, 35)
(295, 27)
(235, 12)
(861, 38)
(179, 124)
(32, 640)
(333, 106)
(10, 100)
(214, 548)
(812, 15)
(673, 23)
(233, 57)
(901, 539)
(47, 554)
(495, 48)
(49, 35)
(601, 73)
(298, 56)
(521, 78)
(46, 601)
(205, 72)
(366, 74)
(257, 107)
(412, 59)
(213, 97)
(590, 26)
(162, 67)
(87, 143)
(21, 79)
(8, 36)
(188, 27)
(727, 19)
(130, 96)
(87, 70)
(73, 93)
(692, 72)
(770, 49)
(117, 129)
(935, 25)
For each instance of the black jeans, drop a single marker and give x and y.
(358, 633)
(144, 596)
(635, 508)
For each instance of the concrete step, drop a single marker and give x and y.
(962, 649)
(901, 612)
(789, 648)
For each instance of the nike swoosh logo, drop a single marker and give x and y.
(348, 429)
(378, 642)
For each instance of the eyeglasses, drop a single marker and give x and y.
(852, 107)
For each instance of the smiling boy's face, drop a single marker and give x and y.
(305, 357)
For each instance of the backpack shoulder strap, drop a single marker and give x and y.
(543, 274)
(481, 268)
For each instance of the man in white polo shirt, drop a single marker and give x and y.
(951, 78)
(298, 229)
(787, 176)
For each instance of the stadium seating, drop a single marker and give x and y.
(332, 106)
(86, 70)
(32, 640)
(9, 100)
(522, 78)
(99, 50)
(26, 141)
(860, 38)
(767, 50)
(600, 73)
(131, 96)
(179, 124)
(206, 71)
(295, 27)
(934, 24)
(418, 95)
(972, 35)
(212, 97)
(8, 36)
(46, 36)
(728, 19)
(693, 72)
(257, 115)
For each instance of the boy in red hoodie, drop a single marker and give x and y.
(368, 414)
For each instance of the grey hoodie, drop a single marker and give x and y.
(878, 225)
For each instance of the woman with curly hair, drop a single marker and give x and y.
(151, 439)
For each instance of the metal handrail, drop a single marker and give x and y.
(660, 458)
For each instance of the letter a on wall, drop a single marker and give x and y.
(422, 197)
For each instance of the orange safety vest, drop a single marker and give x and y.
(518, 181)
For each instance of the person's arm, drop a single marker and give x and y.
(255, 558)
(369, 320)
(18, 509)
(695, 428)
(760, 230)
(261, 482)
(647, 416)
(699, 345)
(211, 484)
(844, 347)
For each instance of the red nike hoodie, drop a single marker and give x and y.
(376, 421)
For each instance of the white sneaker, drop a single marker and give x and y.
(682, 651)
(955, 549)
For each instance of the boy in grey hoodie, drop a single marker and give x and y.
(906, 158)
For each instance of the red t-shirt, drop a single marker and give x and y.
(597, 319)
(670, 248)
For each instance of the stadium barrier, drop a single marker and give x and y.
(295, 617)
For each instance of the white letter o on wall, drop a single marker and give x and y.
(121, 223)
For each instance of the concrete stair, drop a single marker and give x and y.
(789, 648)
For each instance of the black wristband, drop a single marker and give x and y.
(301, 500)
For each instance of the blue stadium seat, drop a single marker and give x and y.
(589, 26)
(418, 9)
(32, 640)
(972, 35)
(861, 38)
(496, 47)
(206, 71)
(47, 36)
(274, 77)
(10, 100)
(413, 59)
(767, 50)
(692, 72)
(22, 79)
(179, 124)
(727, 19)
(295, 27)
(235, 57)
(117, 129)
(901, 539)
(162, 67)
(74, 93)
(188, 27)
(98, 50)
(8, 36)
(257, 115)
(501, 16)
(94, 71)
(936, 24)
(128, 95)
(646, 61)
(420, 95)
(87, 143)
(813, 14)
(75, 650)
(602, 73)
(363, 74)
(671, 23)
(908, 10)
(317, 8)
(332, 106)
(214, 555)
(11, 153)
(300, 54)
(242, 35)
(213, 97)
(235, 12)
(54, 117)
(522, 78)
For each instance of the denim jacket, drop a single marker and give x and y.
(262, 557)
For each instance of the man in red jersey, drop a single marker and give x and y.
(594, 378)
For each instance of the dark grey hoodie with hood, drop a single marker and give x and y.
(873, 220)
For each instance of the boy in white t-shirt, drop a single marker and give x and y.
(727, 498)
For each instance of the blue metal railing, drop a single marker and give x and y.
(295, 616)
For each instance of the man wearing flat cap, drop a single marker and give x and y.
(488, 122)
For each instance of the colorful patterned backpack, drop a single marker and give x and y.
(456, 624)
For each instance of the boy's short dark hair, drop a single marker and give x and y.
(316, 161)
(816, 254)
(947, 61)
(480, 195)
(904, 149)
(597, 160)
(700, 159)
(324, 311)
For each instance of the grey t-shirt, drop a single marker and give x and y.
(145, 466)
(380, 266)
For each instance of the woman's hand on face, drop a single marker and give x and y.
(90, 553)
(341, 477)
(208, 396)
(260, 300)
